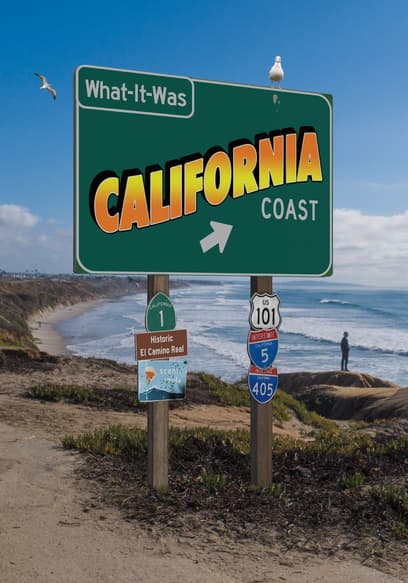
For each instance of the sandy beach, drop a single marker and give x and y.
(43, 326)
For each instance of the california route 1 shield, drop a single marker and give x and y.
(160, 314)
(264, 313)
(262, 347)
(262, 384)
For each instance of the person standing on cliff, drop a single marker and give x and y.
(345, 348)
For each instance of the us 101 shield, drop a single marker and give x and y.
(264, 313)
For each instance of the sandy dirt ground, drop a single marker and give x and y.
(51, 532)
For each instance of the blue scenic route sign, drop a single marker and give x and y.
(262, 383)
(162, 380)
(263, 347)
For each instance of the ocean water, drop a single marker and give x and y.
(314, 313)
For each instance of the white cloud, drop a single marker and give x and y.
(371, 249)
(368, 249)
(13, 216)
(27, 243)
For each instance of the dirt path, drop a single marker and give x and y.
(46, 537)
(51, 534)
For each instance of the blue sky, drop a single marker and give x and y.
(356, 51)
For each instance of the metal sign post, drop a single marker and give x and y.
(261, 416)
(157, 414)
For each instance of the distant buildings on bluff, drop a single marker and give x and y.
(34, 274)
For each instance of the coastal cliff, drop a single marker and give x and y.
(21, 298)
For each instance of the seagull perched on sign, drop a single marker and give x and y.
(276, 72)
(46, 85)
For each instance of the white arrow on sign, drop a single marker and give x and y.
(219, 236)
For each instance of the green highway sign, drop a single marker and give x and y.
(179, 175)
(160, 314)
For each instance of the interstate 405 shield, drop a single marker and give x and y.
(262, 383)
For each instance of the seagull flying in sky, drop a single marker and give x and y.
(276, 72)
(46, 85)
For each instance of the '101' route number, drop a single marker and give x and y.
(266, 317)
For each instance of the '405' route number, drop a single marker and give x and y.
(263, 389)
